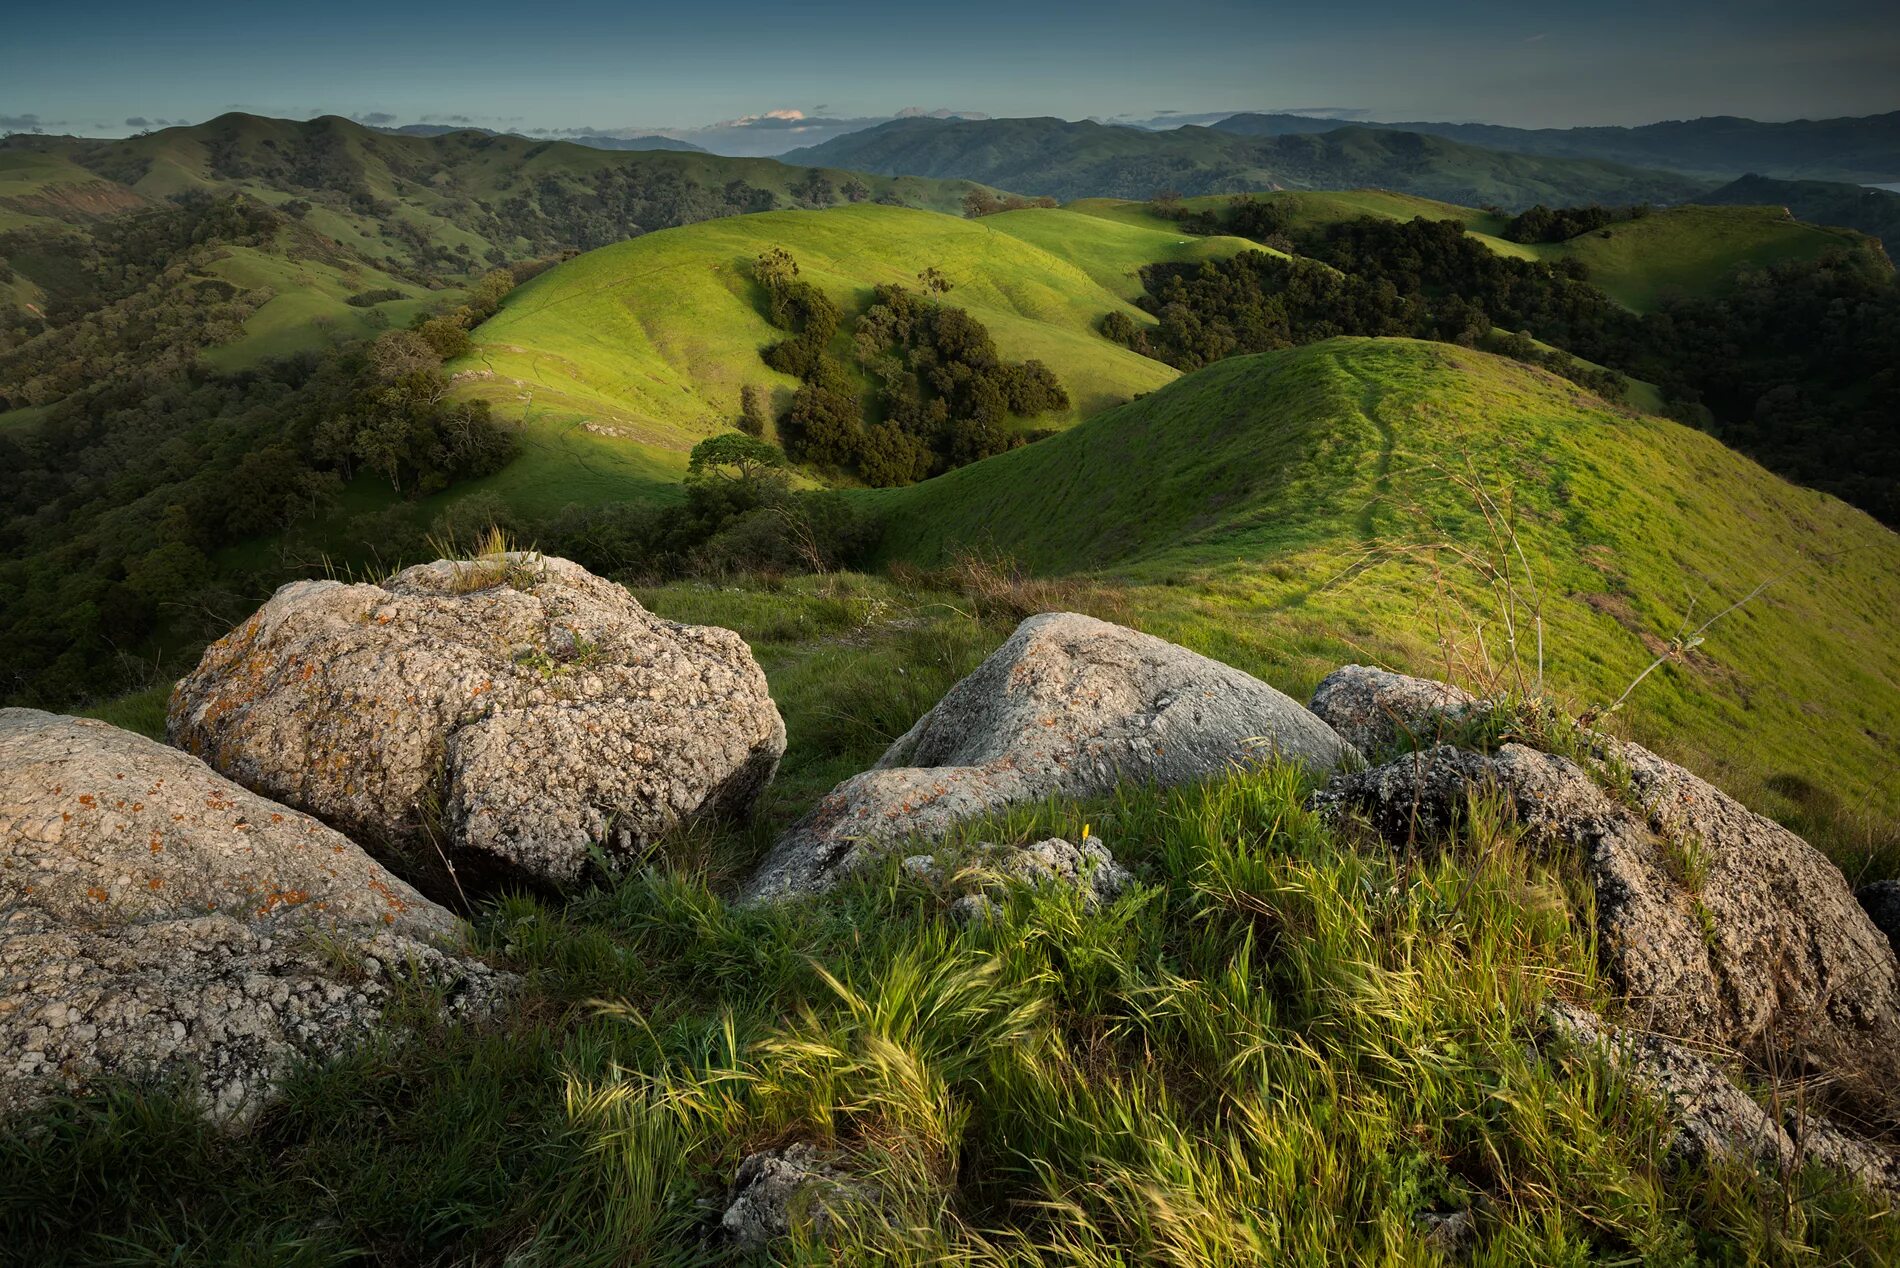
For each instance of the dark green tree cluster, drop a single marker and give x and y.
(941, 394)
(1542, 224)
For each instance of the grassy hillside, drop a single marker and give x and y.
(1687, 250)
(402, 210)
(1872, 211)
(1088, 160)
(1253, 510)
(654, 338)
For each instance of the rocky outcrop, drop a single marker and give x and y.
(157, 919)
(1717, 926)
(778, 1190)
(491, 720)
(1377, 711)
(1713, 1118)
(1067, 707)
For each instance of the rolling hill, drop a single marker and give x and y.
(1872, 211)
(1862, 150)
(1694, 249)
(653, 338)
(1087, 160)
(390, 210)
(1256, 510)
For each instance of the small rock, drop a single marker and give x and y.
(777, 1190)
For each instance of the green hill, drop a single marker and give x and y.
(653, 338)
(1088, 160)
(1872, 211)
(387, 209)
(1688, 250)
(1249, 510)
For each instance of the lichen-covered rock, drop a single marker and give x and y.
(1717, 925)
(778, 1190)
(158, 920)
(1376, 710)
(495, 719)
(1067, 707)
(1713, 1117)
(1881, 901)
(1086, 867)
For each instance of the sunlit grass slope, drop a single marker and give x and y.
(1257, 509)
(654, 338)
(1690, 250)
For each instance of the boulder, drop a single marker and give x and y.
(1719, 927)
(1377, 711)
(1067, 707)
(481, 722)
(1712, 1116)
(778, 1190)
(157, 919)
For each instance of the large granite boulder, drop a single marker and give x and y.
(1716, 925)
(158, 920)
(488, 721)
(1067, 707)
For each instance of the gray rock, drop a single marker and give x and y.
(1087, 867)
(484, 721)
(1715, 1118)
(1376, 710)
(1881, 901)
(1718, 926)
(1068, 707)
(158, 920)
(778, 1190)
(1448, 1232)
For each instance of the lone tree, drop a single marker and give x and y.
(734, 457)
(933, 281)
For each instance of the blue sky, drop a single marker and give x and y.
(589, 65)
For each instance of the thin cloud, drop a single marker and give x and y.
(23, 123)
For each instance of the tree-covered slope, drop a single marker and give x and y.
(1269, 511)
(1086, 160)
(1862, 150)
(654, 338)
(1690, 250)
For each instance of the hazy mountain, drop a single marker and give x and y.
(1083, 160)
(592, 140)
(1864, 150)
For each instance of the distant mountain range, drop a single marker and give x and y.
(1086, 160)
(592, 140)
(1865, 150)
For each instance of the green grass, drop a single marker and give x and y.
(1259, 511)
(655, 337)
